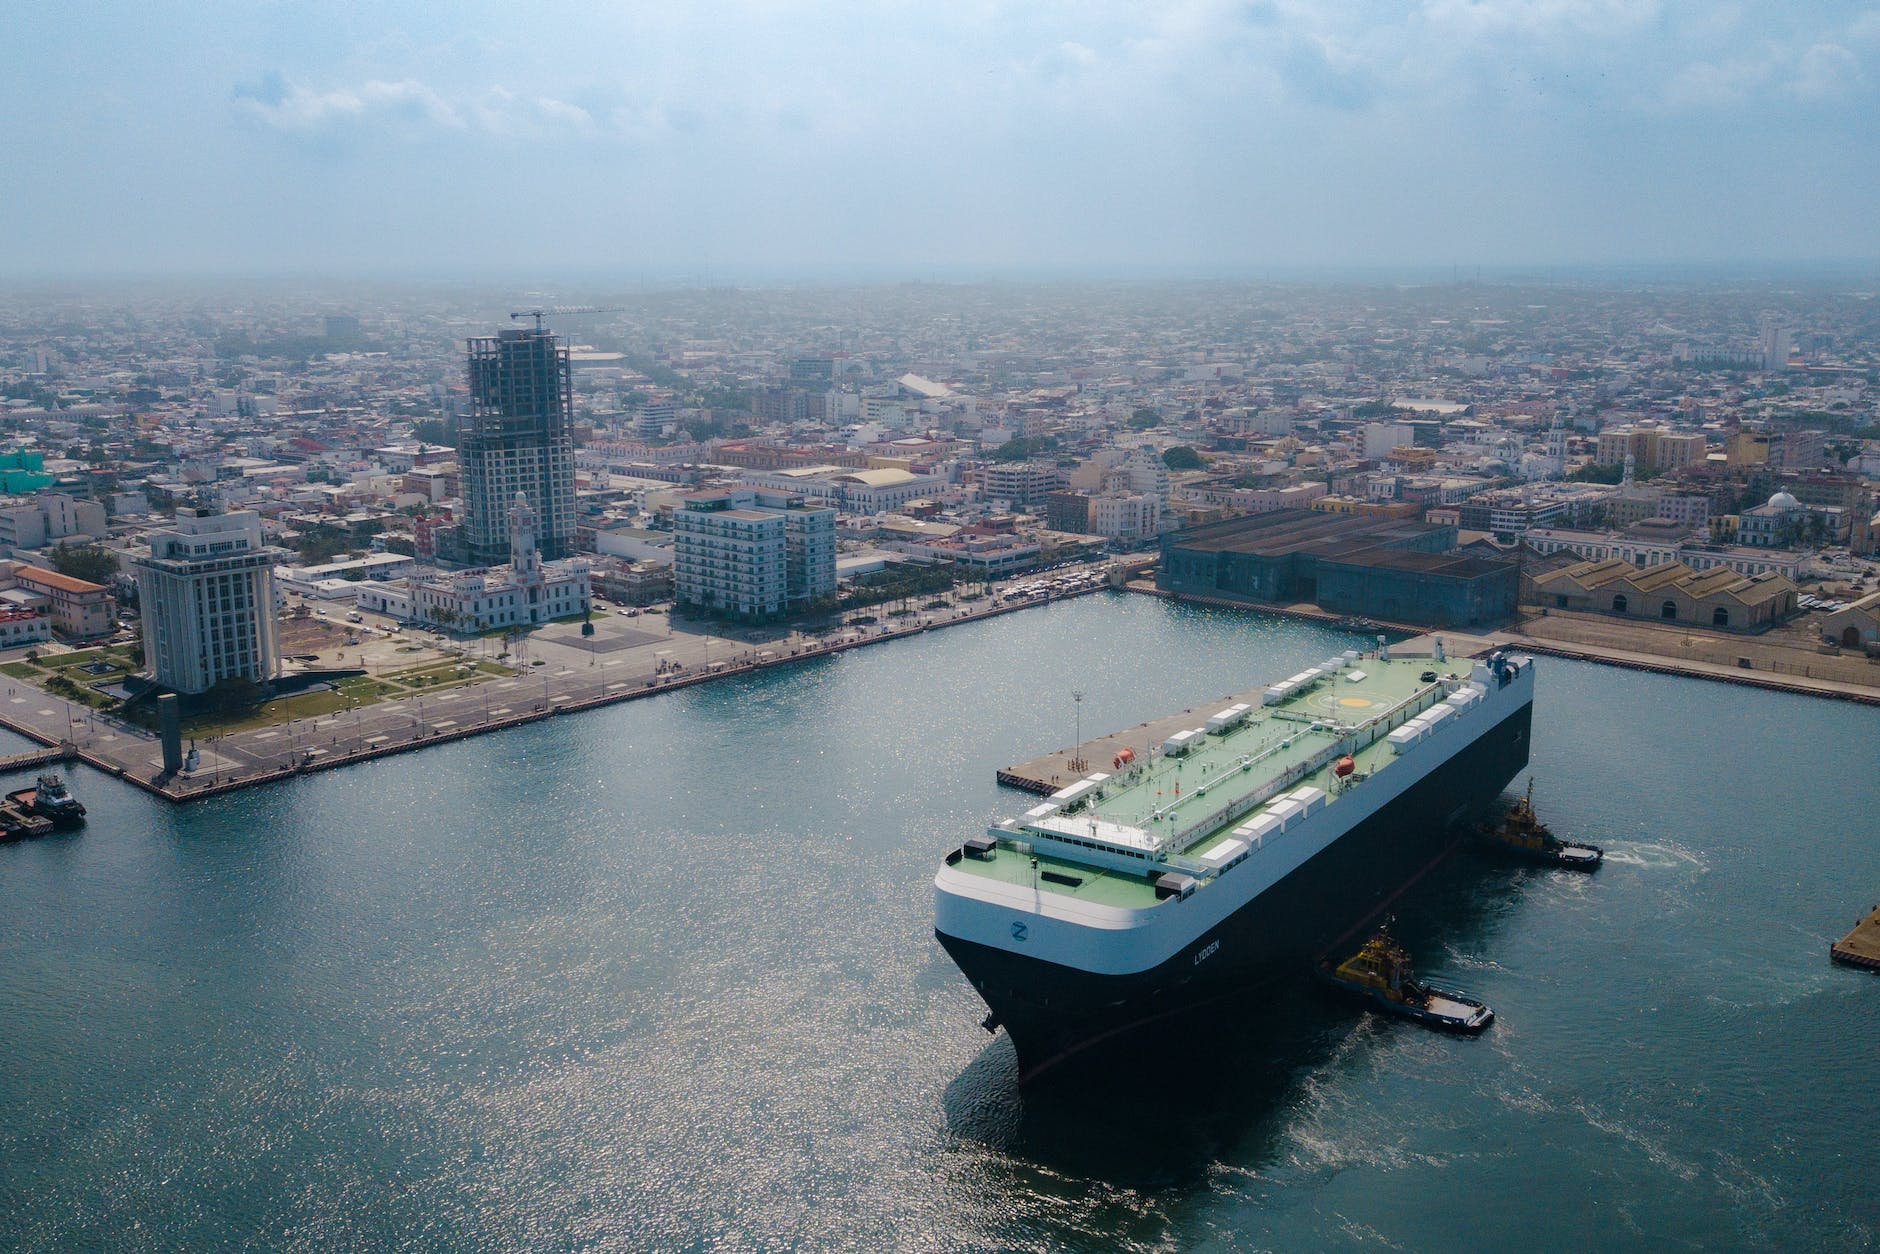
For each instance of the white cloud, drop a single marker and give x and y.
(503, 112)
(409, 109)
(1825, 72)
(406, 105)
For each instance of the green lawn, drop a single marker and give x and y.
(280, 710)
(437, 675)
(368, 690)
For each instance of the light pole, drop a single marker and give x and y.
(1077, 750)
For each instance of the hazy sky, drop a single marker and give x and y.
(929, 138)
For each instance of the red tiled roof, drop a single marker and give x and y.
(53, 579)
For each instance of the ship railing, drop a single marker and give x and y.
(1189, 866)
(1244, 762)
(1417, 702)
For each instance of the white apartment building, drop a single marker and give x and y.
(751, 552)
(1380, 438)
(1021, 483)
(33, 522)
(1126, 516)
(207, 595)
(23, 626)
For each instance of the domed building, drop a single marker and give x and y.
(1785, 522)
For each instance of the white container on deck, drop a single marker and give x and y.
(1177, 745)
(1228, 719)
(1287, 812)
(1262, 826)
(1224, 855)
(1308, 798)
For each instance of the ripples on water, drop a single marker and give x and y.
(662, 977)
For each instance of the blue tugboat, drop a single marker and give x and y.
(1380, 974)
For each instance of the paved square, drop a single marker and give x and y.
(612, 642)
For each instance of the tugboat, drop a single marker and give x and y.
(50, 799)
(1522, 833)
(1380, 973)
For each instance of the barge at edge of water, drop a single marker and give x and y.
(1860, 947)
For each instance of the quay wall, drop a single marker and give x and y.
(182, 791)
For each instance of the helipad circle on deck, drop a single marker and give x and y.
(1356, 703)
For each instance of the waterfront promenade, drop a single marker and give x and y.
(557, 671)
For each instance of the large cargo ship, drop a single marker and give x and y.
(1231, 854)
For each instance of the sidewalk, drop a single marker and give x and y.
(565, 673)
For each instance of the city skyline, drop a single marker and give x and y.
(796, 141)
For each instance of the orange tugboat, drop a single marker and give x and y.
(1523, 833)
(1380, 973)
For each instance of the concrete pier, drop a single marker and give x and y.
(1060, 767)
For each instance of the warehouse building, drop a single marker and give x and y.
(1389, 568)
(1670, 592)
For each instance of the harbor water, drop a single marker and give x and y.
(662, 977)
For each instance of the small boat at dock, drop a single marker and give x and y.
(51, 800)
(1379, 973)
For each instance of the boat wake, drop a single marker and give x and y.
(1655, 857)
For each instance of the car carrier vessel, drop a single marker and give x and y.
(1232, 853)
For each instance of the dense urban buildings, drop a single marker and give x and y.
(76, 609)
(948, 432)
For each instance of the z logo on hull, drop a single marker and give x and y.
(1019, 931)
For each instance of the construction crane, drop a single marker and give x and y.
(561, 311)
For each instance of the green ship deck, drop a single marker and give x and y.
(1167, 812)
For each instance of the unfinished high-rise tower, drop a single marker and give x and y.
(517, 438)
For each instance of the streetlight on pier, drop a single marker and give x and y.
(1077, 749)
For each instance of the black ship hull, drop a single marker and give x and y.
(1055, 1013)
